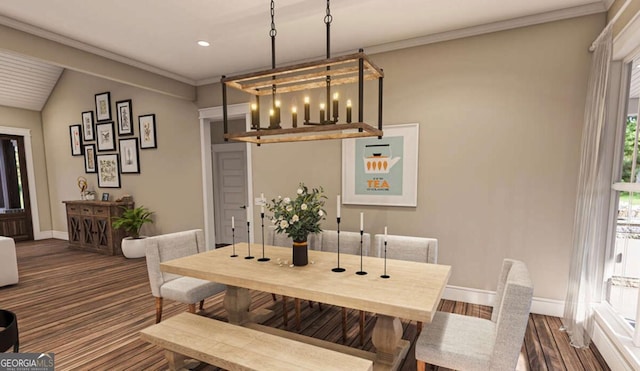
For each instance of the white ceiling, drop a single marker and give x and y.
(161, 35)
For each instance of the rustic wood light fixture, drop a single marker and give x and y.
(347, 69)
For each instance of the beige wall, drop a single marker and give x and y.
(170, 179)
(500, 123)
(26, 119)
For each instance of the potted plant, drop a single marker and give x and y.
(131, 220)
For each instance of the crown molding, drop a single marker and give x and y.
(556, 15)
(36, 31)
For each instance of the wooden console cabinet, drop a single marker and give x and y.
(89, 225)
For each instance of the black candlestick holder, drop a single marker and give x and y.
(248, 241)
(338, 269)
(263, 259)
(233, 243)
(385, 275)
(361, 272)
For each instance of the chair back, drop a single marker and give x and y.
(349, 242)
(417, 249)
(170, 246)
(512, 315)
(273, 238)
(9, 335)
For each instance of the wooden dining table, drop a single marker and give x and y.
(412, 291)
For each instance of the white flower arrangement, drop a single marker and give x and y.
(300, 216)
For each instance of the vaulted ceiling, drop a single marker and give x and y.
(161, 36)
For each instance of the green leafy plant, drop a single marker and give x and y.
(132, 220)
(300, 216)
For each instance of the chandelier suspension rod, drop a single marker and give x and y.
(327, 20)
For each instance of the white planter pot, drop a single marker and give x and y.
(133, 247)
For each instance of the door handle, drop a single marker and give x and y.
(243, 206)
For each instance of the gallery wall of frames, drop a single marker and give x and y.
(110, 145)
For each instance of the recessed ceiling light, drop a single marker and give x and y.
(203, 43)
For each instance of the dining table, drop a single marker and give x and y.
(411, 290)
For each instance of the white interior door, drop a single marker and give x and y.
(230, 188)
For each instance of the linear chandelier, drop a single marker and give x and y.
(304, 77)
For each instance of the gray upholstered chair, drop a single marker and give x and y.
(417, 249)
(186, 290)
(349, 244)
(470, 343)
(271, 237)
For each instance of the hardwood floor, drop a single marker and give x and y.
(88, 309)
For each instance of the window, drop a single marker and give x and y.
(624, 273)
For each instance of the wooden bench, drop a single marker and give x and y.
(235, 347)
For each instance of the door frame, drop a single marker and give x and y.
(31, 178)
(209, 116)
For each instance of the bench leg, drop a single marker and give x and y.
(419, 327)
(192, 308)
(202, 304)
(176, 361)
(158, 310)
(420, 366)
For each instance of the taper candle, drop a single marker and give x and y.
(255, 115)
(349, 111)
(335, 107)
(233, 222)
(272, 117)
(385, 233)
(362, 221)
(294, 116)
(277, 119)
(321, 113)
(262, 203)
(306, 109)
(338, 207)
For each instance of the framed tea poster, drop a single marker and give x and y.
(108, 172)
(129, 159)
(123, 110)
(90, 158)
(76, 140)
(87, 126)
(106, 139)
(103, 106)
(382, 171)
(147, 131)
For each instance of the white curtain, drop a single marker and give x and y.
(592, 203)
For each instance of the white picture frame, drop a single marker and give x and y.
(382, 171)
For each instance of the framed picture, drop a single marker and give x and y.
(108, 172)
(382, 171)
(123, 110)
(105, 134)
(147, 131)
(129, 159)
(76, 140)
(87, 126)
(90, 158)
(105, 196)
(103, 106)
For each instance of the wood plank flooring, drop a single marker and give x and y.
(88, 310)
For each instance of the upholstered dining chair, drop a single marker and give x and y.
(271, 237)
(186, 290)
(349, 244)
(417, 249)
(470, 343)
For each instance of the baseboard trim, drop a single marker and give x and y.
(548, 307)
(43, 235)
(61, 235)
